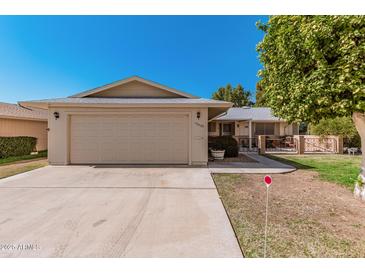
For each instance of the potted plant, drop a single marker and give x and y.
(221, 146)
(217, 151)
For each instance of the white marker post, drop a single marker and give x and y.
(268, 181)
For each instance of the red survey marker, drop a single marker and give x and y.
(268, 180)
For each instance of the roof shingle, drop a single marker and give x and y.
(18, 112)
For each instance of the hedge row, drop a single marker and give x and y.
(227, 143)
(17, 146)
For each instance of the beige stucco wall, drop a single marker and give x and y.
(17, 127)
(135, 89)
(58, 137)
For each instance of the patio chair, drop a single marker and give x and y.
(352, 150)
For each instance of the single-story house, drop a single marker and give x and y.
(131, 121)
(16, 120)
(246, 123)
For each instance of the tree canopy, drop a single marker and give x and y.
(238, 95)
(259, 95)
(313, 66)
(313, 69)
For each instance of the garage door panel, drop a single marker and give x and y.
(80, 155)
(86, 144)
(140, 139)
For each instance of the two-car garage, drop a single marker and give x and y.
(129, 139)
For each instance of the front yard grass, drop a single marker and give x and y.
(14, 159)
(13, 169)
(308, 217)
(341, 169)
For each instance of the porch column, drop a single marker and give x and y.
(250, 135)
(301, 144)
(262, 144)
(339, 140)
(236, 128)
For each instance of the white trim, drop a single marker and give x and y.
(190, 129)
(47, 105)
(216, 118)
(127, 80)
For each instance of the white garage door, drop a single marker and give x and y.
(129, 139)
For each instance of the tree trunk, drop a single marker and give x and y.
(359, 121)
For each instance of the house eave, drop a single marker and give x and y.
(124, 105)
(214, 108)
(23, 118)
(248, 119)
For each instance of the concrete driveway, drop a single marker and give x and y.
(81, 211)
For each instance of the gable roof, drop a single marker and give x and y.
(249, 113)
(13, 111)
(128, 80)
(84, 99)
(215, 107)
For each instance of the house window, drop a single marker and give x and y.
(259, 129)
(227, 128)
(212, 127)
(265, 129)
(270, 129)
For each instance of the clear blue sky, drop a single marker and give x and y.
(56, 56)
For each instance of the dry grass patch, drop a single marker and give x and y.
(308, 217)
(13, 169)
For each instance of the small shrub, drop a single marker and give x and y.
(227, 143)
(16, 146)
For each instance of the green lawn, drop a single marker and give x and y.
(341, 169)
(4, 161)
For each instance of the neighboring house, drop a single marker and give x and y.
(246, 123)
(20, 121)
(131, 121)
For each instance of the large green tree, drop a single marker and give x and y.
(238, 95)
(314, 68)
